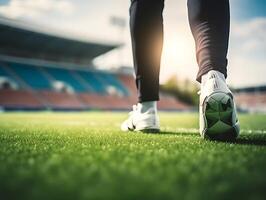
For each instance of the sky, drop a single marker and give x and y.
(90, 20)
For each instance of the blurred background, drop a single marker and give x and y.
(76, 55)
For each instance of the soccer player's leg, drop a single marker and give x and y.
(146, 26)
(210, 21)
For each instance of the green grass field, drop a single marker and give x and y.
(85, 156)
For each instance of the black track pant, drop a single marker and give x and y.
(209, 22)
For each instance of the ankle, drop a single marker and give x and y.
(206, 77)
(145, 106)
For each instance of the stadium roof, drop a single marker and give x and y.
(20, 40)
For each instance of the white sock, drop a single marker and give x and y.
(144, 106)
(206, 76)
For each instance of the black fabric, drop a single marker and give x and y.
(209, 22)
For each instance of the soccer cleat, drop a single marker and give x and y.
(218, 116)
(147, 121)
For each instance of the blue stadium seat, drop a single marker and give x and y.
(98, 81)
(91, 79)
(65, 76)
(111, 79)
(31, 75)
(3, 72)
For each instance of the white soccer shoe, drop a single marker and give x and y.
(217, 110)
(147, 121)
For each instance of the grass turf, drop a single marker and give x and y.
(85, 156)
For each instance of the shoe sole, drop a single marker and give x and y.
(218, 109)
(150, 130)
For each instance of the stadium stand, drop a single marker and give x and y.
(19, 100)
(39, 70)
(91, 78)
(114, 82)
(31, 75)
(61, 101)
(16, 97)
(6, 80)
(3, 72)
(251, 99)
(65, 76)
